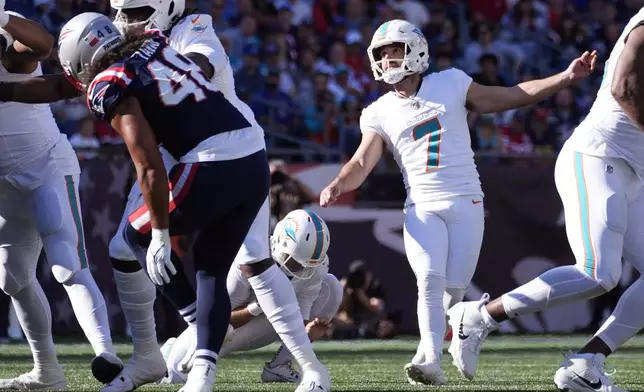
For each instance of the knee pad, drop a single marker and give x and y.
(119, 249)
(65, 254)
(19, 268)
(48, 210)
(329, 298)
(607, 278)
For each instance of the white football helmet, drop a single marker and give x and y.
(300, 242)
(83, 41)
(164, 13)
(416, 58)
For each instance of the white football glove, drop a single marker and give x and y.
(158, 257)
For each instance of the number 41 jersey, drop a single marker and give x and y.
(429, 137)
(188, 115)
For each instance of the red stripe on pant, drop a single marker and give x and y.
(178, 193)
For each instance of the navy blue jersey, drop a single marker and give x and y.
(182, 106)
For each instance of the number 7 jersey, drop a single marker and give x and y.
(189, 116)
(429, 137)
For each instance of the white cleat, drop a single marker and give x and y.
(584, 373)
(140, 370)
(315, 380)
(35, 381)
(470, 331)
(106, 367)
(280, 373)
(200, 379)
(426, 374)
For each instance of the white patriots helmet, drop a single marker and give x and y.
(416, 58)
(164, 13)
(83, 41)
(300, 242)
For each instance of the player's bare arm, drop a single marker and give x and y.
(491, 99)
(203, 63)
(628, 80)
(31, 44)
(142, 145)
(356, 170)
(40, 89)
(240, 317)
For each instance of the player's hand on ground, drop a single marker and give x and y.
(329, 195)
(158, 261)
(583, 66)
(316, 328)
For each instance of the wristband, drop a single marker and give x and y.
(162, 235)
(254, 309)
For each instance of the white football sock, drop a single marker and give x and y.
(90, 310)
(627, 318)
(189, 314)
(553, 287)
(276, 297)
(137, 294)
(34, 314)
(451, 298)
(431, 318)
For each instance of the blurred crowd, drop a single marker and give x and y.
(302, 64)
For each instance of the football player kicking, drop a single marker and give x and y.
(39, 208)
(424, 123)
(192, 35)
(153, 95)
(598, 175)
(299, 244)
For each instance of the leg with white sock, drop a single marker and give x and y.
(21, 246)
(592, 195)
(276, 297)
(325, 306)
(426, 244)
(625, 321)
(55, 207)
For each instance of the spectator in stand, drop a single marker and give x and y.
(509, 56)
(287, 192)
(363, 312)
(487, 10)
(274, 108)
(249, 79)
(543, 138)
(565, 115)
(489, 74)
(487, 135)
(241, 37)
(414, 11)
(85, 139)
(54, 19)
(513, 138)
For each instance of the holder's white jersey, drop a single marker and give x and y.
(27, 131)
(429, 137)
(607, 131)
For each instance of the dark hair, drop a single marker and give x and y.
(131, 43)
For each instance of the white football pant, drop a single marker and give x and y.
(442, 241)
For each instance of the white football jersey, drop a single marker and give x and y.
(195, 34)
(607, 131)
(27, 131)
(429, 137)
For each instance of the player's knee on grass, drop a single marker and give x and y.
(328, 302)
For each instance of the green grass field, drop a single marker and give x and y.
(525, 363)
